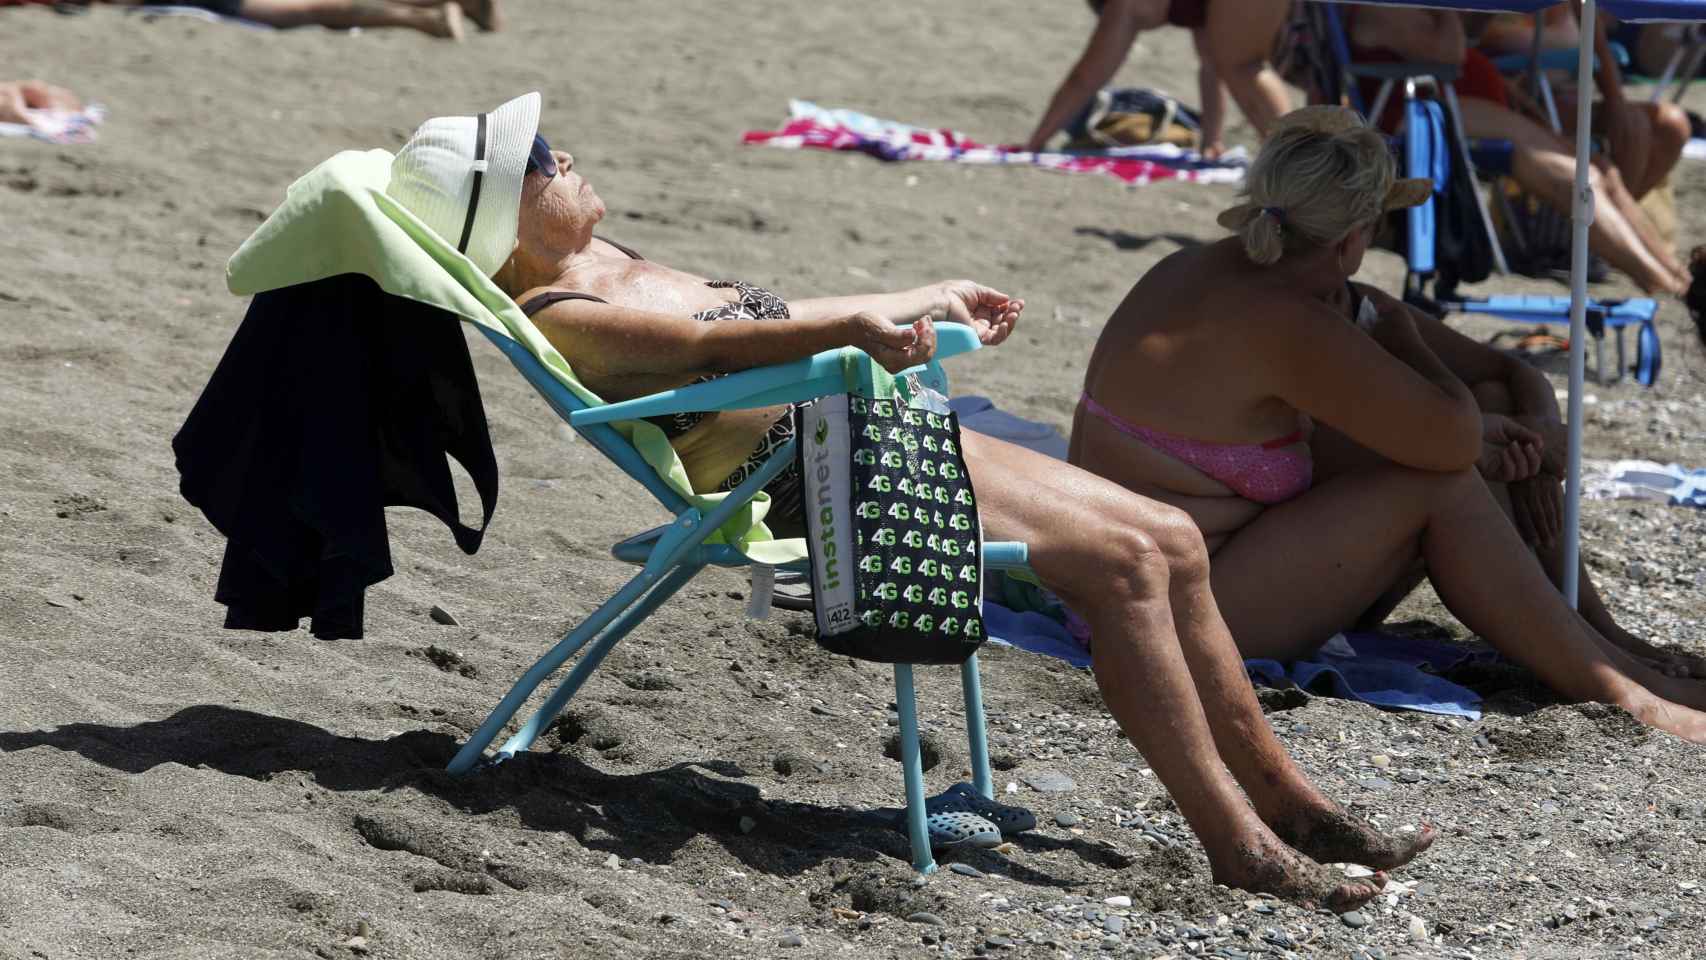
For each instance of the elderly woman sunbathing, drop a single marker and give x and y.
(1207, 382)
(1164, 659)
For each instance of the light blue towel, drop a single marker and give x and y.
(1647, 480)
(1384, 670)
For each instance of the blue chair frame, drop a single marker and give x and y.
(671, 555)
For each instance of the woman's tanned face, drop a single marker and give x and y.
(557, 210)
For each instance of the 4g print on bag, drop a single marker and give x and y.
(892, 524)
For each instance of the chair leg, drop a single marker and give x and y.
(913, 769)
(474, 749)
(977, 737)
(1462, 157)
(630, 618)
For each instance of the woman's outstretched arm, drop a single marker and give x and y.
(1118, 25)
(649, 350)
(987, 310)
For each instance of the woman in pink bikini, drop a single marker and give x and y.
(1211, 377)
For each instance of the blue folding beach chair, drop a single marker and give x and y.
(671, 555)
(1427, 153)
(338, 219)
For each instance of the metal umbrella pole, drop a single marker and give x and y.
(1581, 217)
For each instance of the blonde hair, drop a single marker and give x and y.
(1322, 173)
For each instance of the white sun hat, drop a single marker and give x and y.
(462, 177)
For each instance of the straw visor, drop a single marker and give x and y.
(1329, 120)
(462, 177)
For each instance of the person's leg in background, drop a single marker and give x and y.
(1240, 37)
(486, 14)
(1543, 165)
(442, 20)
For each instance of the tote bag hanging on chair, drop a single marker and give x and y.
(892, 530)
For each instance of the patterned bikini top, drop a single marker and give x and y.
(755, 303)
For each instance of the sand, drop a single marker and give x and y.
(172, 789)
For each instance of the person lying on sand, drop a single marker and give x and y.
(1202, 390)
(1233, 39)
(1165, 662)
(433, 17)
(19, 97)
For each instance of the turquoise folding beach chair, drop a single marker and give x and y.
(669, 556)
(337, 219)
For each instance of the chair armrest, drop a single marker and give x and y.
(1562, 58)
(1444, 72)
(796, 381)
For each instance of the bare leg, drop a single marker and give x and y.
(1613, 183)
(1545, 168)
(486, 14)
(441, 20)
(1671, 131)
(1305, 568)
(1495, 397)
(1239, 37)
(1661, 132)
(1141, 580)
(1589, 604)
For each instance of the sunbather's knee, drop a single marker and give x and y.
(1133, 564)
(1670, 125)
(1180, 541)
(1151, 554)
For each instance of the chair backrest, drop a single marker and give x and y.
(602, 436)
(1425, 155)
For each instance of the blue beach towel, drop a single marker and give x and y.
(1380, 669)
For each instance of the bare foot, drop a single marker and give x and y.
(1331, 835)
(450, 27)
(484, 13)
(1686, 692)
(1671, 663)
(1674, 718)
(1275, 868)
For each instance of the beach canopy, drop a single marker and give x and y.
(1644, 10)
(1581, 212)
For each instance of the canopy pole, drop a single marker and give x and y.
(1581, 217)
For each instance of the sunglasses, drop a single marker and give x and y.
(540, 158)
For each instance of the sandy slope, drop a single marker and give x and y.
(170, 789)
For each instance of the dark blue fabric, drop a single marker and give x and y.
(333, 401)
(1390, 671)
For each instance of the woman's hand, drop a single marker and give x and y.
(989, 312)
(1554, 439)
(1537, 507)
(1509, 450)
(894, 347)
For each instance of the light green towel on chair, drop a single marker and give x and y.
(337, 219)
